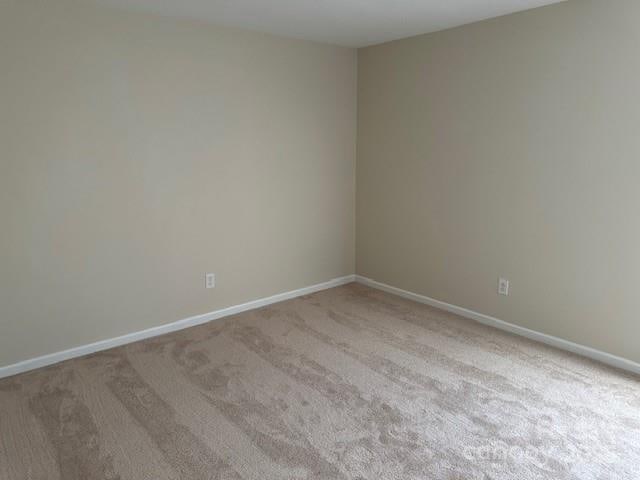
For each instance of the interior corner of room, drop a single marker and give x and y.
(140, 152)
(159, 172)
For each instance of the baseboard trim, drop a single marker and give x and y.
(592, 353)
(80, 351)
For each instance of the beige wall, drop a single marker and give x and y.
(138, 153)
(510, 147)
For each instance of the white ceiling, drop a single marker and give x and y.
(353, 23)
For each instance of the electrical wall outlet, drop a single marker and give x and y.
(503, 286)
(210, 280)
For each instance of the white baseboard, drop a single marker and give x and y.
(45, 360)
(592, 353)
(52, 358)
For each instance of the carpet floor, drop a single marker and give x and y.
(348, 383)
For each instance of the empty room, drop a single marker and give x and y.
(318, 240)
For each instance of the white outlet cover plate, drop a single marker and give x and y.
(503, 286)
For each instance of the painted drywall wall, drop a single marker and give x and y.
(509, 147)
(138, 153)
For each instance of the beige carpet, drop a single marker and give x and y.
(349, 383)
